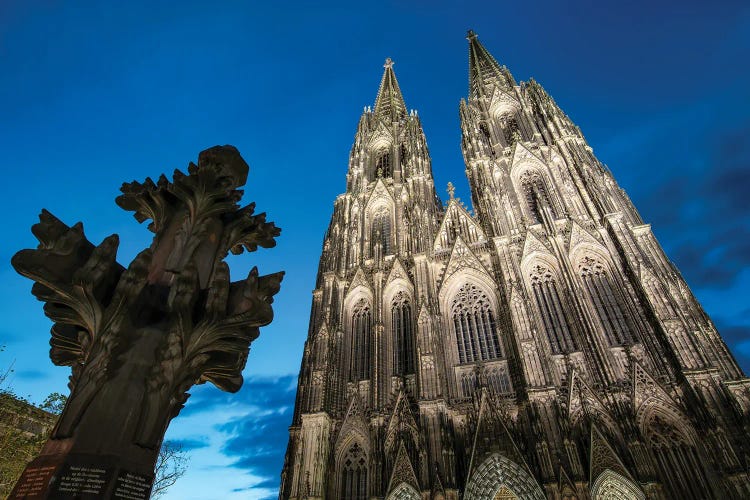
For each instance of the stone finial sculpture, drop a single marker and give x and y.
(138, 338)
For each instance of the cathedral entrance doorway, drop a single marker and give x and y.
(500, 478)
(404, 492)
(612, 486)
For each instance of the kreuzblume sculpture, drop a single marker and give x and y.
(138, 339)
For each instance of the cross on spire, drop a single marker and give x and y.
(451, 190)
(388, 63)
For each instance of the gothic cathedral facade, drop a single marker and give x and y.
(542, 347)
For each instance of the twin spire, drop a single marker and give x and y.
(484, 70)
(389, 103)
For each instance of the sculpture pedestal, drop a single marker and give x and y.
(84, 477)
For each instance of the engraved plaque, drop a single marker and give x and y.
(131, 486)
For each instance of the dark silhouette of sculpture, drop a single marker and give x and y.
(137, 339)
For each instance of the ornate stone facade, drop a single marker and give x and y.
(541, 347)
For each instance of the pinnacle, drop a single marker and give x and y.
(484, 70)
(389, 103)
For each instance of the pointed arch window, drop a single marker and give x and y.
(534, 189)
(354, 474)
(360, 345)
(552, 312)
(486, 137)
(474, 325)
(510, 128)
(598, 284)
(679, 465)
(383, 164)
(381, 231)
(403, 335)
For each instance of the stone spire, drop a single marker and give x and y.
(468, 328)
(389, 103)
(484, 70)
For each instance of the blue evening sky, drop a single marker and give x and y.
(96, 93)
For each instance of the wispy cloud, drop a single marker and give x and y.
(738, 338)
(704, 215)
(190, 444)
(257, 441)
(32, 374)
(699, 206)
(254, 436)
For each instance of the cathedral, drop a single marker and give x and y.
(539, 346)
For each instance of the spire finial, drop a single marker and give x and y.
(389, 102)
(484, 70)
(451, 190)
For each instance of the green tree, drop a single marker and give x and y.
(23, 431)
(54, 403)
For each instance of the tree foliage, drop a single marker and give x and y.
(54, 403)
(22, 435)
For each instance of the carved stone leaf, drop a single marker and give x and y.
(75, 279)
(148, 200)
(245, 231)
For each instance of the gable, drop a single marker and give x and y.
(457, 222)
(462, 259)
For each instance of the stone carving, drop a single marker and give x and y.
(548, 268)
(137, 339)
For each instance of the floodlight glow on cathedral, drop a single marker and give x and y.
(541, 347)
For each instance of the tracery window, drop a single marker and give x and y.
(403, 335)
(360, 345)
(486, 137)
(354, 474)
(535, 191)
(599, 287)
(381, 230)
(510, 130)
(474, 325)
(680, 467)
(498, 380)
(383, 164)
(550, 304)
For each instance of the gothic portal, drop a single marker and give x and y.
(542, 346)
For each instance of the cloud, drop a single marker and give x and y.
(737, 338)
(31, 375)
(263, 392)
(258, 441)
(255, 437)
(702, 215)
(190, 444)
